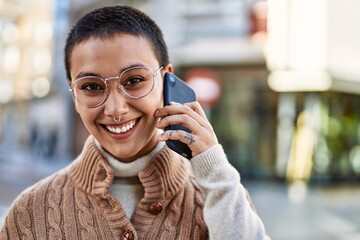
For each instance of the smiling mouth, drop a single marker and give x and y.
(123, 128)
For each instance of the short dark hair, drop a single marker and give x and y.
(107, 22)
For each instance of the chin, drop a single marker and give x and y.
(125, 157)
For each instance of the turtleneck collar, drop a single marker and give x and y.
(163, 176)
(133, 168)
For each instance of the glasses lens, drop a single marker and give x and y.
(90, 91)
(137, 82)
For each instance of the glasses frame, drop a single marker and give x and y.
(107, 91)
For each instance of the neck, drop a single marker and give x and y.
(133, 168)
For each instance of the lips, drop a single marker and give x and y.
(121, 128)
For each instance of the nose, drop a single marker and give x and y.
(116, 104)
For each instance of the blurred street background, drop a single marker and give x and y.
(279, 80)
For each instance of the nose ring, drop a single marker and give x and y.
(116, 119)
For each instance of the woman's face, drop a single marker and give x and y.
(107, 58)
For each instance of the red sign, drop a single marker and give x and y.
(206, 85)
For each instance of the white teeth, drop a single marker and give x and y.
(123, 128)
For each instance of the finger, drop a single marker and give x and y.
(183, 136)
(189, 137)
(181, 119)
(195, 106)
(187, 109)
(173, 108)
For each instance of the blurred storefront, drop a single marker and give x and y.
(313, 56)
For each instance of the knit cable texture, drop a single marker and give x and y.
(75, 203)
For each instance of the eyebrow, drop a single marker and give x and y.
(87, 74)
(93, 74)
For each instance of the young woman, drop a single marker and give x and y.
(127, 183)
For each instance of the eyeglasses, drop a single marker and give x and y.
(136, 82)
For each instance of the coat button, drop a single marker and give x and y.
(155, 208)
(127, 235)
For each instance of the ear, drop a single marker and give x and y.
(169, 68)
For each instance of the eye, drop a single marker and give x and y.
(90, 87)
(133, 81)
(135, 78)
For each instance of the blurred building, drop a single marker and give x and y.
(313, 56)
(33, 110)
(281, 96)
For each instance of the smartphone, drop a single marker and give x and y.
(176, 90)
